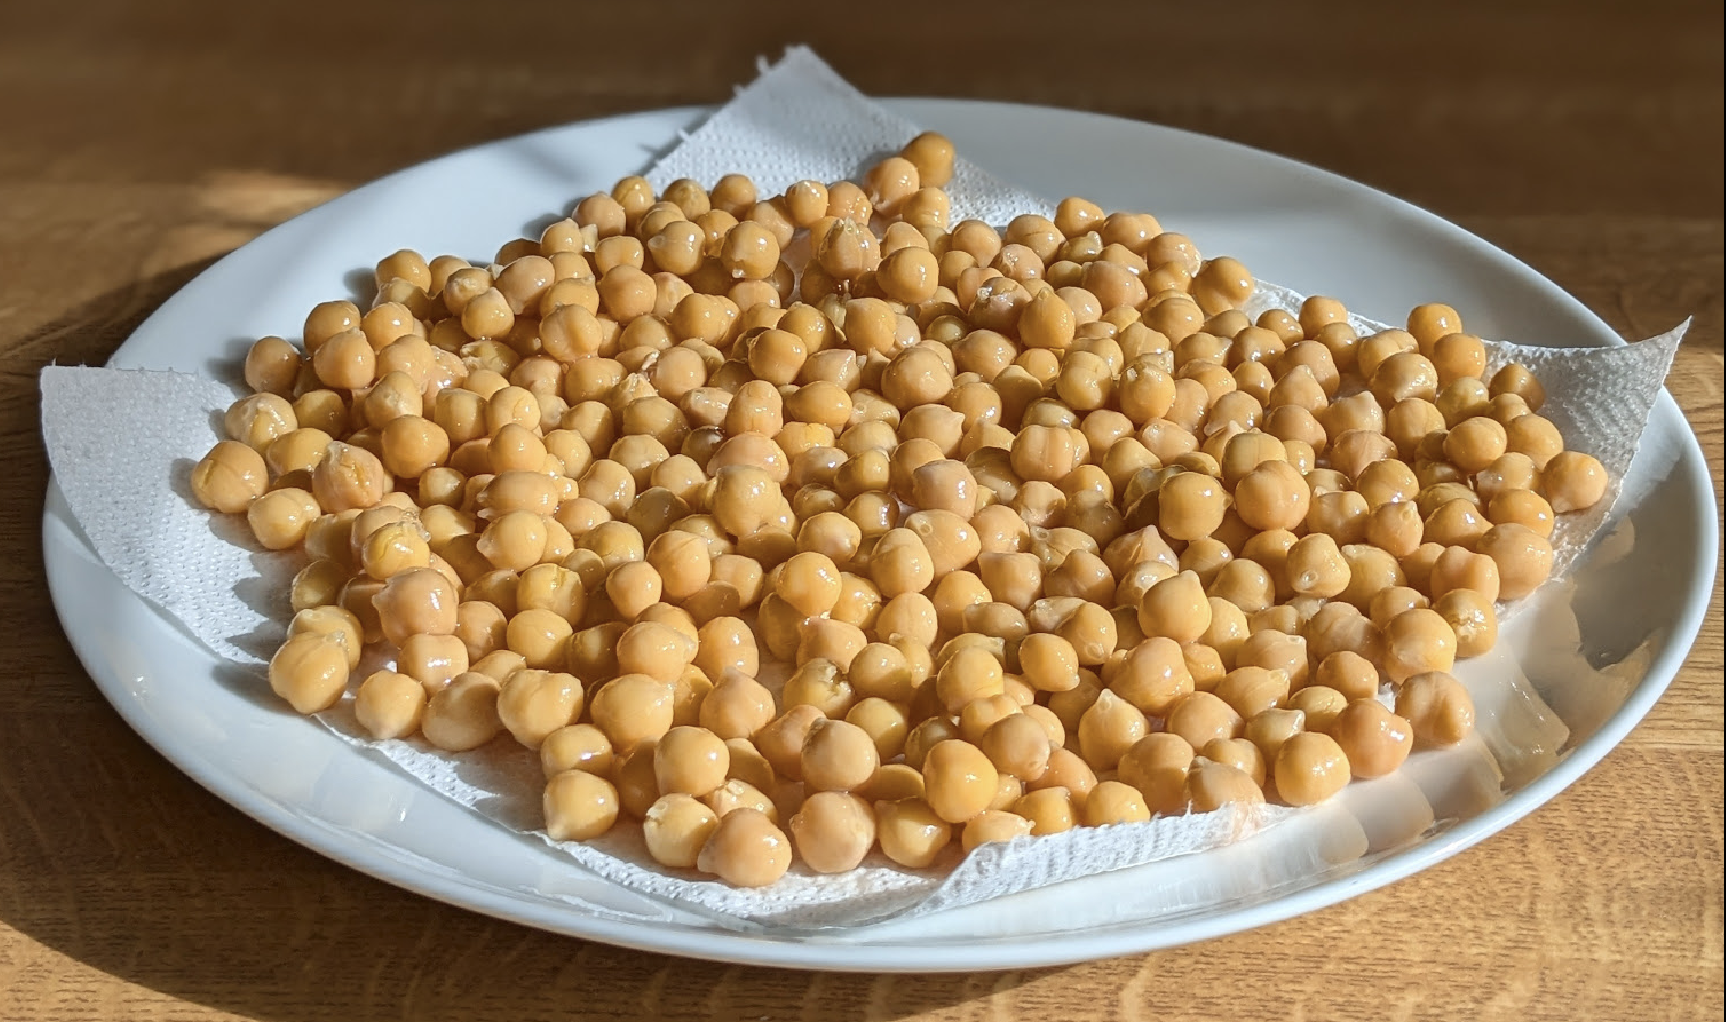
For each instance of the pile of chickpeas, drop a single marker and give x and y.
(1045, 530)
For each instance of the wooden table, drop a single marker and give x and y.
(139, 142)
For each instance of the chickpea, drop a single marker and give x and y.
(310, 670)
(579, 806)
(230, 477)
(959, 779)
(1437, 707)
(1417, 641)
(1315, 566)
(993, 825)
(1310, 768)
(533, 703)
(1108, 729)
(576, 747)
(1211, 786)
(1375, 740)
(1050, 810)
(1472, 617)
(1523, 556)
(1250, 690)
(463, 715)
(1459, 568)
(1571, 481)
(633, 709)
(910, 832)
(1176, 608)
(1112, 802)
(1199, 717)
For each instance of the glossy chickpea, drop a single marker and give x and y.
(1438, 709)
(1108, 729)
(463, 715)
(1200, 717)
(579, 806)
(1272, 496)
(534, 703)
(1212, 785)
(1374, 740)
(576, 747)
(1113, 802)
(746, 849)
(310, 670)
(1050, 810)
(910, 832)
(1176, 608)
(1572, 481)
(633, 709)
(1516, 379)
(1456, 567)
(1523, 556)
(1417, 641)
(1251, 689)
(1310, 768)
(838, 756)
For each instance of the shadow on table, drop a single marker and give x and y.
(112, 858)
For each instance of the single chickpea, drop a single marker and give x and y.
(1109, 728)
(959, 779)
(1374, 740)
(910, 832)
(1472, 617)
(993, 825)
(1310, 768)
(1112, 802)
(389, 705)
(576, 747)
(1250, 690)
(833, 831)
(579, 806)
(310, 670)
(633, 709)
(1212, 785)
(463, 715)
(1417, 641)
(1200, 717)
(230, 477)
(1516, 379)
(1315, 566)
(838, 756)
(1437, 708)
(1458, 568)
(690, 760)
(676, 827)
(1572, 481)
(1050, 810)
(1176, 608)
(532, 704)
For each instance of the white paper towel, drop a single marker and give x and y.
(798, 121)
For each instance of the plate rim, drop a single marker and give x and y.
(343, 846)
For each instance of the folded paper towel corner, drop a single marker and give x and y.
(799, 120)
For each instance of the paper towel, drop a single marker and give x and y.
(798, 121)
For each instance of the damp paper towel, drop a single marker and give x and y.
(798, 121)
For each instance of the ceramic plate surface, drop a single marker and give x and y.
(1290, 223)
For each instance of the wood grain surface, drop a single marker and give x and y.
(139, 142)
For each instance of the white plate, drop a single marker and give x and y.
(1291, 223)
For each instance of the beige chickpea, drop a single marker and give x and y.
(676, 827)
(1212, 785)
(1437, 707)
(1310, 768)
(690, 760)
(633, 709)
(959, 780)
(993, 825)
(1113, 802)
(833, 831)
(738, 706)
(579, 806)
(1572, 481)
(1375, 740)
(1157, 766)
(1417, 641)
(1523, 556)
(1315, 566)
(1472, 617)
(1050, 810)
(1176, 608)
(1250, 690)
(910, 832)
(310, 670)
(1459, 568)
(837, 756)
(1110, 727)
(389, 705)
(576, 747)
(463, 715)
(419, 601)
(534, 703)
(1200, 717)
(229, 477)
